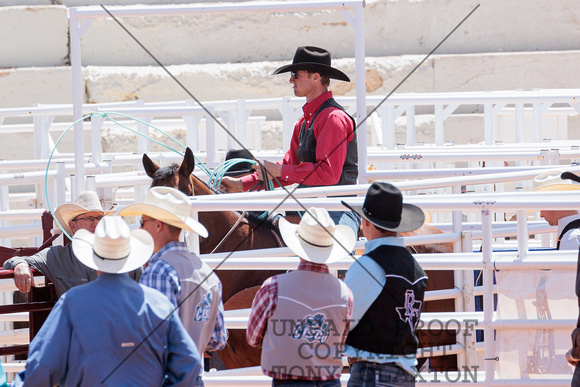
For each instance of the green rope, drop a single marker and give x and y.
(220, 171)
(107, 115)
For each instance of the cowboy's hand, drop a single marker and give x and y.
(571, 360)
(231, 185)
(274, 170)
(23, 278)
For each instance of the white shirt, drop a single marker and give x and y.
(570, 240)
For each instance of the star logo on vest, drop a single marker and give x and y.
(410, 312)
(202, 309)
(312, 328)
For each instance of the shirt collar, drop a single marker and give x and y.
(564, 221)
(388, 241)
(310, 266)
(173, 246)
(313, 106)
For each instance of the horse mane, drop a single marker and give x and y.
(163, 176)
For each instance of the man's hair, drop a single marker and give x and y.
(382, 230)
(174, 231)
(324, 79)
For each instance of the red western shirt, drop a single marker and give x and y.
(330, 128)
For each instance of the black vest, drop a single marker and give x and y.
(306, 151)
(388, 326)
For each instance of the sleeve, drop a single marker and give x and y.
(366, 279)
(219, 335)
(263, 307)
(332, 137)
(48, 352)
(348, 318)
(183, 360)
(571, 241)
(163, 277)
(37, 261)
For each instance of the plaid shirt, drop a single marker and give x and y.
(264, 306)
(162, 276)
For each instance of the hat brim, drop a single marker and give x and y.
(322, 255)
(165, 217)
(331, 72)
(238, 172)
(558, 187)
(67, 212)
(141, 250)
(412, 218)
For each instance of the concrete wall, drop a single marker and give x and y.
(33, 36)
(208, 82)
(392, 27)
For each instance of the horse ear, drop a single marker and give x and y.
(188, 163)
(149, 166)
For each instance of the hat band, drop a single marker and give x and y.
(312, 244)
(110, 259)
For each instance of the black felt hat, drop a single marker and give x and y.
(384, 208)
(570, 176)
(241, 167)
(313, 59)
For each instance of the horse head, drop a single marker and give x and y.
(176, 176)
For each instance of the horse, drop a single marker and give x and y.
(240, 286)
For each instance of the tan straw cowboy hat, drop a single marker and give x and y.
(87, 201)
(167, 205)
(113, 248)
(317, 244)
(552, 181)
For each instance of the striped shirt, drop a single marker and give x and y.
(162, 276)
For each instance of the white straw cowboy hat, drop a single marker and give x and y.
(555, 180)
(317, 244)
(113, 248)
(384, 208)
(167, 205)
(87, 201)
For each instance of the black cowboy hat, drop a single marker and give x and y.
(384, 208)
(570, 176)
(241, 167)
(313, 59)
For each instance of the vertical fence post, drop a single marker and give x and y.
(96, 139)
(519, 123)
(5, 206)
(488, 123)
(411, 129)
(210, 138)
(439, 127)
(489, 346)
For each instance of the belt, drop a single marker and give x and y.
(352, 360)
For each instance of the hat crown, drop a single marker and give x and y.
(170, 200)
(112, 238)
(89, 201)
(384, 201)
(317, 235)
(239, 154)
(240, 167)
(311, 54)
